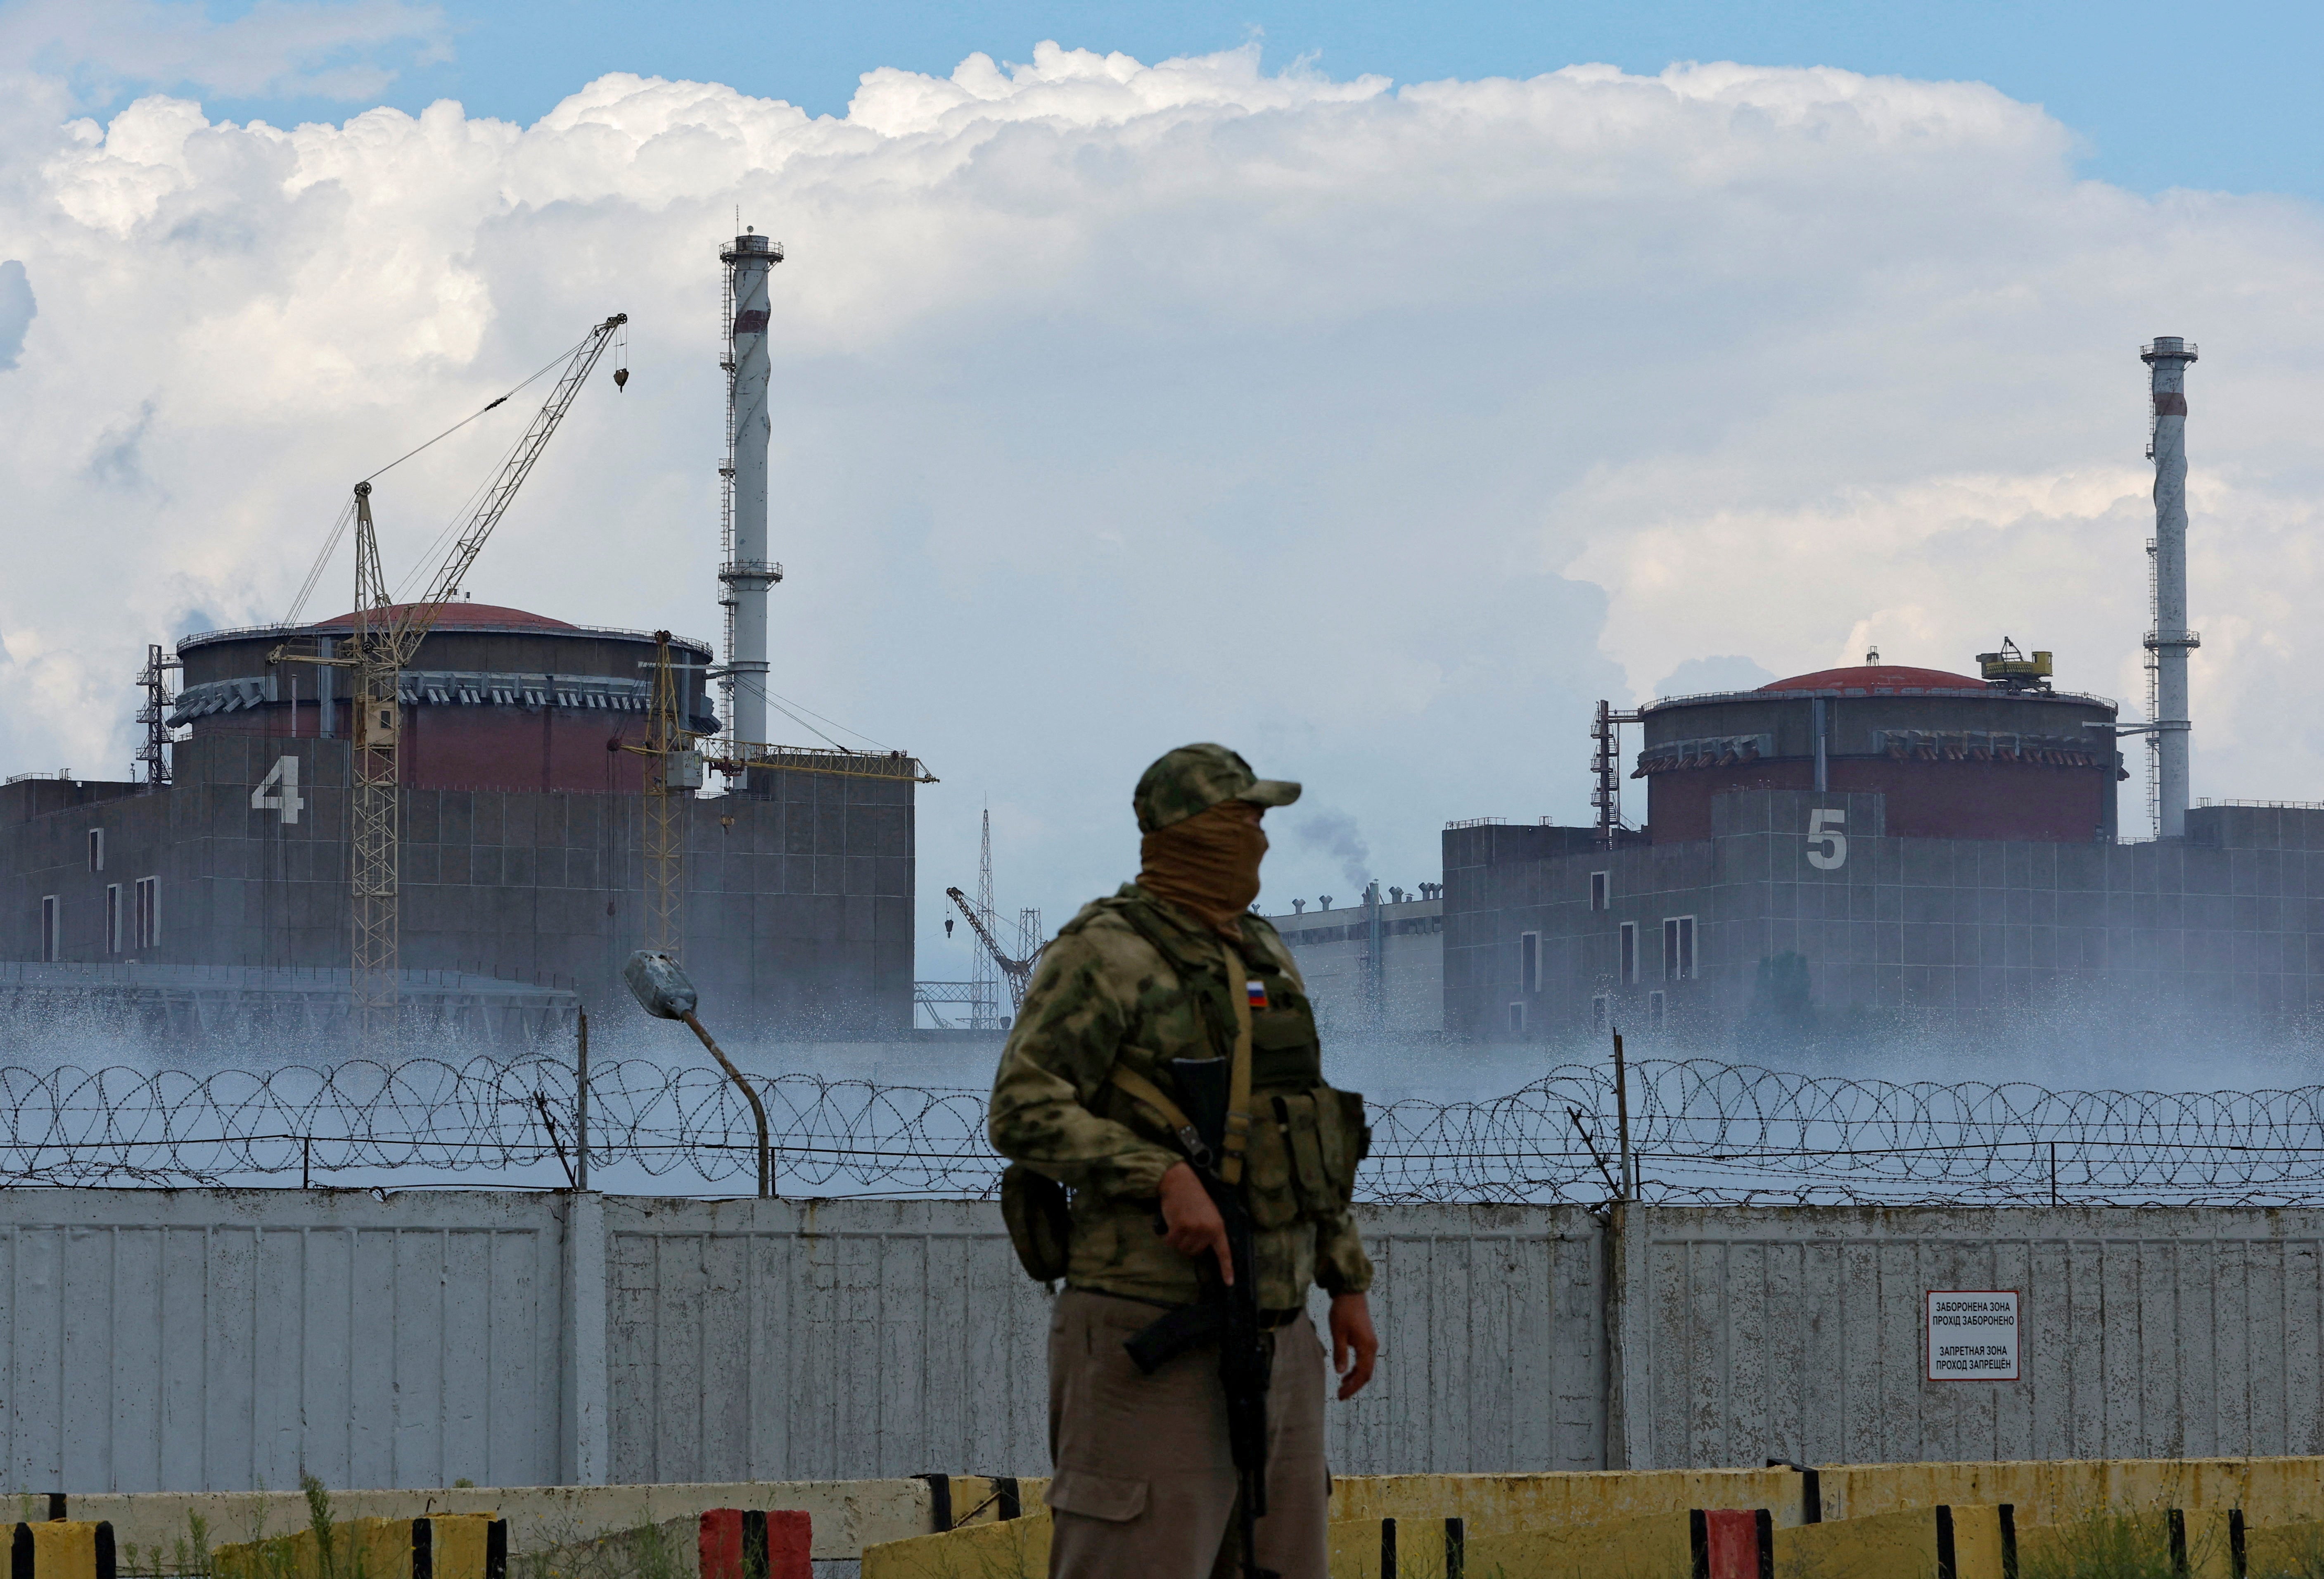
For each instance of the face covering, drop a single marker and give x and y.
(1207, 863)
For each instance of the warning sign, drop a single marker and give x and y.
(1972, 1335)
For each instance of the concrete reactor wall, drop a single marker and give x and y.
(1674, 939)
(799, 909)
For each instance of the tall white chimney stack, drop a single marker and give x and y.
(2169, 639)
(747, 574)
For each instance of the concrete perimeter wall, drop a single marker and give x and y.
(1750, 1333)
(229, 1340)
(188, 1340)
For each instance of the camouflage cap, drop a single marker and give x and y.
(1196, 778)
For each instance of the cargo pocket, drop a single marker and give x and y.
(1283, 1048)
(1108, 1497)
(1273, 1202)
(1297, 1114)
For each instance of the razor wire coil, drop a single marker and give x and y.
(1703, 1131)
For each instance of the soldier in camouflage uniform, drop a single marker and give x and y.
(1144, 1483)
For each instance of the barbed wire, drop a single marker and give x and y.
(1701, 1132)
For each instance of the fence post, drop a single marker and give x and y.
(1623, 1119)
(1629, 1403)
(581, 1105)
(586, 1444)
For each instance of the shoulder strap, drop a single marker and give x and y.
(1138, 1087)
(1238, 1139)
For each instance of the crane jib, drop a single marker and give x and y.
(386, 638)
(420, 616)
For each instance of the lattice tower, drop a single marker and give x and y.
(377, 670)
(985, 1010)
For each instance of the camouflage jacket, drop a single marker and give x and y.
(1135, 979)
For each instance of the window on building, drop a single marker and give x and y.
(51, 939)
(149, 912)
(97, 849)
(1597, 1013)
(1629, 973)
(1528, 963)
(113, 918)
(1678, 948)
(1654, 1002)
(1516, 1019)
(1601, 890)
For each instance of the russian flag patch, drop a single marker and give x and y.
(1257, 993)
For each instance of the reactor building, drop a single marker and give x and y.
(522, 809)
(217, 882)
(1899, 842)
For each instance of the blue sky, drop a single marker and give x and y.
(2220, 96)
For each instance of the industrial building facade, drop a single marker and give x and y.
(521, 860)
(1550, 932)
(1376, 968)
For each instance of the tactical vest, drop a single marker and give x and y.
(1305, 1138)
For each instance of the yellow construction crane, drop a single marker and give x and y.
(387, 637)
(673, 775)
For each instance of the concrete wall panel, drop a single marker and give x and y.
(1744, 1335)
(214, 1341)
(1491, 1341)
(833, 1339)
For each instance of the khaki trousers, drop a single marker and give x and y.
(1145, 1486)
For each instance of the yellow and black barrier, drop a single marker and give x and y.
(1707, 1543)
(443, 1546)
(2237, 1519)
(61, 1549)
(1943, 1542)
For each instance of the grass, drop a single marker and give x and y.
(322, 1551)
(186, 1558)
(2304, 1560)
(645, 1551)
(2111, 1545)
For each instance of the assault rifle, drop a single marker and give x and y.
(1226, 1315)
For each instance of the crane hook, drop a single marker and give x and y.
(620, 377)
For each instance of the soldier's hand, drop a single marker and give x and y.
(1352, 1330)
(1191, 1220)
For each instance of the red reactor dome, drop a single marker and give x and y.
(1952, 756)
(1874, 677)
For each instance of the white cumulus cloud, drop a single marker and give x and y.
(1376, 431)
